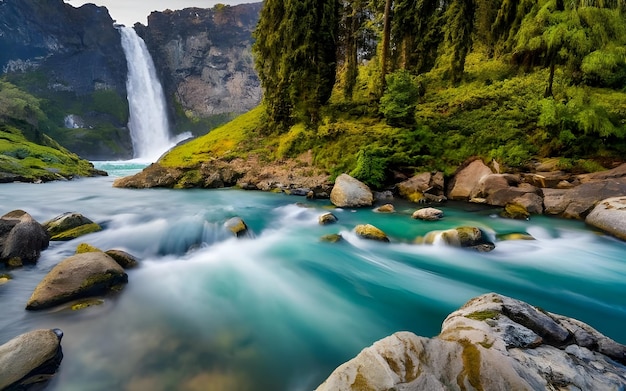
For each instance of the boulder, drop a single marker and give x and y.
(327, 218)
(237, 226)
(81, 275)
(69, 226)
(424, 187)
(466, 178)
(22, 239)
(368, 231)
(387, 208)
(428, 214)
(4, 278)
(29, 359)
(349, 192)
(493, 342)
(610, 216)
(467, 237)
(515, 211)
(577, 203)
(124, 259)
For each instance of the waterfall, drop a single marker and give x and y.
(149, 128)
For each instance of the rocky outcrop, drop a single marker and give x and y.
(30, 359)
(22, 239)
(466, 178)
(204, 58)
(81, 275)
(610, 216)
(78, 49)
(69, 226)
(237, 226)
(492, 343)
(349, 192)
(424, 187)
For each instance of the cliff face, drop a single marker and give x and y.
(204, 58)
(78, 49)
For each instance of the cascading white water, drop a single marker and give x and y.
(149, 128)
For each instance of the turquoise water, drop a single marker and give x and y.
(281, 309)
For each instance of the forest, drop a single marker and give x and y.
(377, 86)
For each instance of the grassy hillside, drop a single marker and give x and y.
(497, 112)
(26, 153)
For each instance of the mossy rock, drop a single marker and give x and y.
(515, 211)
(4, 278)
(87, 248)
(237, 226)
(387, 208)
(82, 304)
(327, 218)
(368, 231)
(124, 259)
(515, 236)
(77, 232)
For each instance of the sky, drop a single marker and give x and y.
(128, 12)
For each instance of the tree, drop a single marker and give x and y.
(557, 33)
(458, 35)
(296, 57)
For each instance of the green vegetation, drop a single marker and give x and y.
(490, 78)
(25, 152)
(483, 315)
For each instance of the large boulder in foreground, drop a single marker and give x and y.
(349, 192)
(610, 216)
(29, 359)
(492, 343)
(81, 275)
(69, 226)
(22, 239)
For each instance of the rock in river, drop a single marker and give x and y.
(29, 359)
(349, 192)
(81, 275)
(22, 239)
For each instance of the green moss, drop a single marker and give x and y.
(483, 315)
(471, 366)
(87, 248)
(81, 305)
(515, 211)
(98, 279)
(331, 238)
(76, 232)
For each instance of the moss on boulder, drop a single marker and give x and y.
(368, 231)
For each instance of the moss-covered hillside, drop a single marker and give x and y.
(27, 154)
(497, 112)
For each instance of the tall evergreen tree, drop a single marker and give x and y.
(296, 57)
(459, 27)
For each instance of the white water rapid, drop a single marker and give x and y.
(149, 128)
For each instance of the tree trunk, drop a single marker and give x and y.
(384, 57)
(548, 92)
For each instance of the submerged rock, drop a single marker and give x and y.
(69, 226)
(327, 218)
(22, 239)
(237, 226)
(368, 231)
(493, 342)
(331, 238)
(82, 275)
(349, 192)
(30, 359)
(610, 216)
(387, 208)
(467, 237)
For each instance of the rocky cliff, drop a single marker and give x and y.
(73, 59)
(78, 49)
(204, 60)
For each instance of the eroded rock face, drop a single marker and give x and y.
(610, 216)
(204, 58)
(22, 239)
(491, 343)
(81, 275)
(349, 192)
(466, 178)
(30, 358)
(424, 187)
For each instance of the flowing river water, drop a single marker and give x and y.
(279, 310)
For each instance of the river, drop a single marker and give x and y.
(279, 310)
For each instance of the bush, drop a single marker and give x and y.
(399, 101)
(370, 167)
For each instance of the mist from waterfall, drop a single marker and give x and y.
(148, 124)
